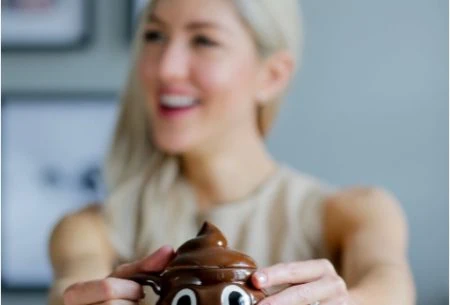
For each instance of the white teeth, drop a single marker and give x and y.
(177, 101)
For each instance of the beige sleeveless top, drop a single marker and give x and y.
(281, 221)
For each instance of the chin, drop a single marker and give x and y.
(173, 146)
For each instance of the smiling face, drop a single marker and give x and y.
(201, 74)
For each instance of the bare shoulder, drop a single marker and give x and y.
(79, 250)
(360, 205)
(369, 209)
(85, 221)
(90, 215)
(80, 234)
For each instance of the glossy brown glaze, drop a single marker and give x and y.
(205, 271)
(209, 249)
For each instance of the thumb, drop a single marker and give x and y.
(155, 262)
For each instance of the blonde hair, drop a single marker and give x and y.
(133, 159)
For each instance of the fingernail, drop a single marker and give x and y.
(261, 277)
(166, 248)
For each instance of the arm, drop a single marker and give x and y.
(366, 232)
(79, 251)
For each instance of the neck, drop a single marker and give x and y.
(229, 172)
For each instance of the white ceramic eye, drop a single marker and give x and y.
(185, 297)
(235, 295)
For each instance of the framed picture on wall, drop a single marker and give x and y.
(53, 149)
(134, 9)
(46, 24)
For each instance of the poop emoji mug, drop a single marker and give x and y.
(205, 272)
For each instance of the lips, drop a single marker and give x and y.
(177, 101)
(173, 106)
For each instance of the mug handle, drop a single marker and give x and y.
(148, 279)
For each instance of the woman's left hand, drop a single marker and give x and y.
(313, 282)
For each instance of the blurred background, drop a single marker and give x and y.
(369, 107)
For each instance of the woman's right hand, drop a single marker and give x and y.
(115, 289)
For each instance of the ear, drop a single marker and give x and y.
(276, 74)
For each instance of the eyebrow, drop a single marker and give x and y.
(191, 26)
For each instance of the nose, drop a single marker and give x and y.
(174, 63)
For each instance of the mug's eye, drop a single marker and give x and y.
(185, 297)
(235, 295)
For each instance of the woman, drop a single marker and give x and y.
(206, 82)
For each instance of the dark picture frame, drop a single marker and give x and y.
(133, 11)
(56, 25)
(53, 149)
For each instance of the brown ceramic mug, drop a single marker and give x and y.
(205, 272)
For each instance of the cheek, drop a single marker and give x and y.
(148, 66)
(145, 70)
(147, 78)
(227, 84)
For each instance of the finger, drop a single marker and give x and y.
(154, 262)
(118, 302)
(101, 291)
(323, 289)
(292, 273)
(340, 301)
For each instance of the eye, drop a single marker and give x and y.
(153, 36)
(235, 295)
(204, 41)
(185, 297)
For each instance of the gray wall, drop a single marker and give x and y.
(370, 106)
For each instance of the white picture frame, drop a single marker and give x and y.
(52, 155)
(46, 24)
